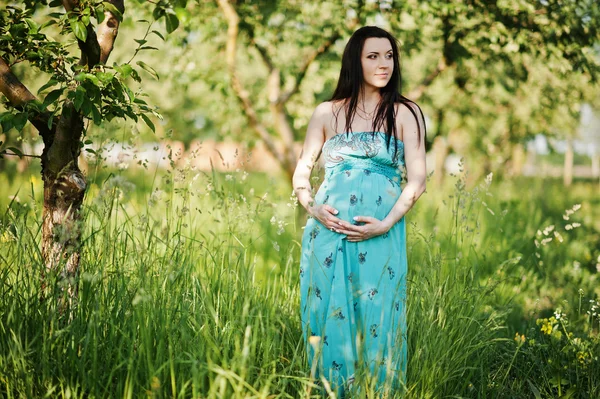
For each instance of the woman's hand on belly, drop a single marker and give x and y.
(325, 214)
(372, 227)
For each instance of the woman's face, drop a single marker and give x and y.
(377, 62)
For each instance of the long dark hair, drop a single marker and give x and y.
(351, 82)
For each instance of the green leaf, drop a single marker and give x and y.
(20, 120)
(148, 69)
(50, 120)
(16, 151)
(51, 82)
(140, 41)
(85, 19)
(6, 121)
(79, 97)
(96, 116)
(535, 391)
(105, 77)
(33, 26)
(157, 33)
(148, 122)
(99, 12)
(90, 77)
(148, 48)
(111, 8)
(125, 70)
(158, 12)
(136, 76)
(79, 29)
(52, 96)
(172, 21)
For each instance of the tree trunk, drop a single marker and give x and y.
(568, 168)
(440, 149)
(61, 227)
(518, 160)
(64, 189)
(64, 184)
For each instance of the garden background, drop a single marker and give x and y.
(150, 238)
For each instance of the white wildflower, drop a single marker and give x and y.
(548, 230)
(488, 179)
(558, 236)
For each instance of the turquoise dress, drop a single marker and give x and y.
(353, 294)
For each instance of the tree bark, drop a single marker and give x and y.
(568, 167)
(287, 158)
(440, 149)
(64, 183)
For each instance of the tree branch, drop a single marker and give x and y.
(68, 133)
(97, 48)
(309, 60)
(90, 50)
(18, 95)
(108, 30)
(263, 53)
(418, 91)
(242, 94)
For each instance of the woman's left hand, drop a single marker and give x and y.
(373, 227)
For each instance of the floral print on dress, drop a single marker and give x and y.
(373, 330)
(391, 272)
(314, 233)
(328, 261)
(372, 293)
(338, 314)
(342, 290)
(362, 257)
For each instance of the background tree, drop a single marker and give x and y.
(464, 61)
(84, 89)
(499, 72)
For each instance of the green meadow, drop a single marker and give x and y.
(188, 287)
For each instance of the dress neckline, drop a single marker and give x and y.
(364, 132)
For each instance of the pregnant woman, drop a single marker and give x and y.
(353, 263)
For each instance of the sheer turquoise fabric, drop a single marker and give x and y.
(353, 294)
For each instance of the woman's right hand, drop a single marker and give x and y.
(326, 215)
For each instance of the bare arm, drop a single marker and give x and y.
(414, 157)
(313, 143)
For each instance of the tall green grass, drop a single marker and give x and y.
(189, 288)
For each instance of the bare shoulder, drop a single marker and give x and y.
(324, 109)
(405, 112)
(409, 118)
(324, 115)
